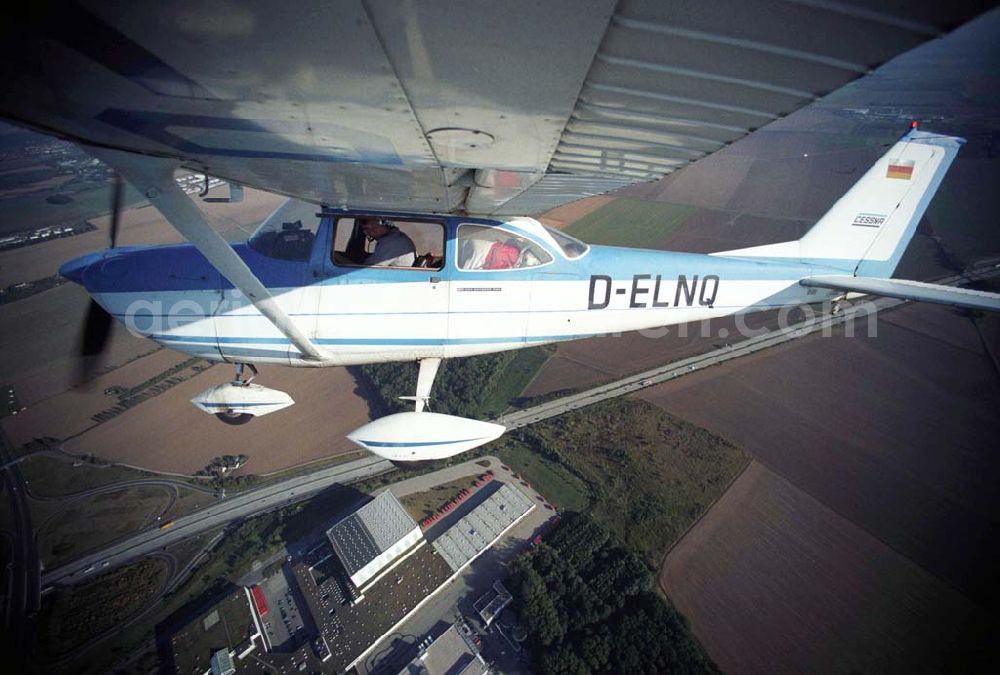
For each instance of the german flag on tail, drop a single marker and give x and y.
(901, 169)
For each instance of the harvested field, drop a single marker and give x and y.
(774, 581)
(167, 433)
(896, 434)
(41, 337)
(70, 413)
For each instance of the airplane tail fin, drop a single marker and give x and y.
(869, 228)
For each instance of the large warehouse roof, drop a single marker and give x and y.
(376, 533)
(481, 527)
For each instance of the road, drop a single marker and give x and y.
(242, 505)
(24, 598)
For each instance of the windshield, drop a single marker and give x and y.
(288, 233)
(572, 248)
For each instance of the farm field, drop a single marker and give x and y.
(561, 216)
(772, 580)
(186, 439)
(141, 225)
(41, 342)
(630, 222)
(902, 442)
(70, 413)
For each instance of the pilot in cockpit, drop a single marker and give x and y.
(393, 248)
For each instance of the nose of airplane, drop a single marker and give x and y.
(74, 269)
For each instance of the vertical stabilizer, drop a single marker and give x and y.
(869, 228)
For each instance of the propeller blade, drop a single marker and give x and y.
(96, 330)
(117, 190)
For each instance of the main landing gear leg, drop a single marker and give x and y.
(231, 416)
(425, 380)
(239, 380)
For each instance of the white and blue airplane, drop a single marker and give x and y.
(484, 285)
(446, 121)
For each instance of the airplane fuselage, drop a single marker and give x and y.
(366, 314)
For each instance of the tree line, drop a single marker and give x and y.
(462, 387)
(587, 606)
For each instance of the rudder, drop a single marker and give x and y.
(869, 228)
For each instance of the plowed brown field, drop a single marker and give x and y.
(774, 581)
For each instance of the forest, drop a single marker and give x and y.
(587, 606)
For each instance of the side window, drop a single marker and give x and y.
(370, 241)
(492, 248)
(288, 233)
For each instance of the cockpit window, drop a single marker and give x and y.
(572, 248)
(374, 241)
(492, 248)
(288, 233)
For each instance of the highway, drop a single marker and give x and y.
(237, 506)
(23, 591)
(253, 502)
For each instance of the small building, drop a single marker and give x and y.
(222, 663)
(373, 538)
(453, 653)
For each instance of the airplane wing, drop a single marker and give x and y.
(479, 106)
(909, 290)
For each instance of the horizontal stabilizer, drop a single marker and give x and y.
(909, 290)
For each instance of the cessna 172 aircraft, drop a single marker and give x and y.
(426, 129)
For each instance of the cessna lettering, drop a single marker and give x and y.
(647, 291)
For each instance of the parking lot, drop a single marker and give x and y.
(284, 623)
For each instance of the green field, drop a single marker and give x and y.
(50, 476)
(630, 222)
(93, 522)
(641, 472)
(422, 504)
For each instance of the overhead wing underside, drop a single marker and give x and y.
(485, 107)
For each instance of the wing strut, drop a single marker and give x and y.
(909, 290)
(154, 178)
